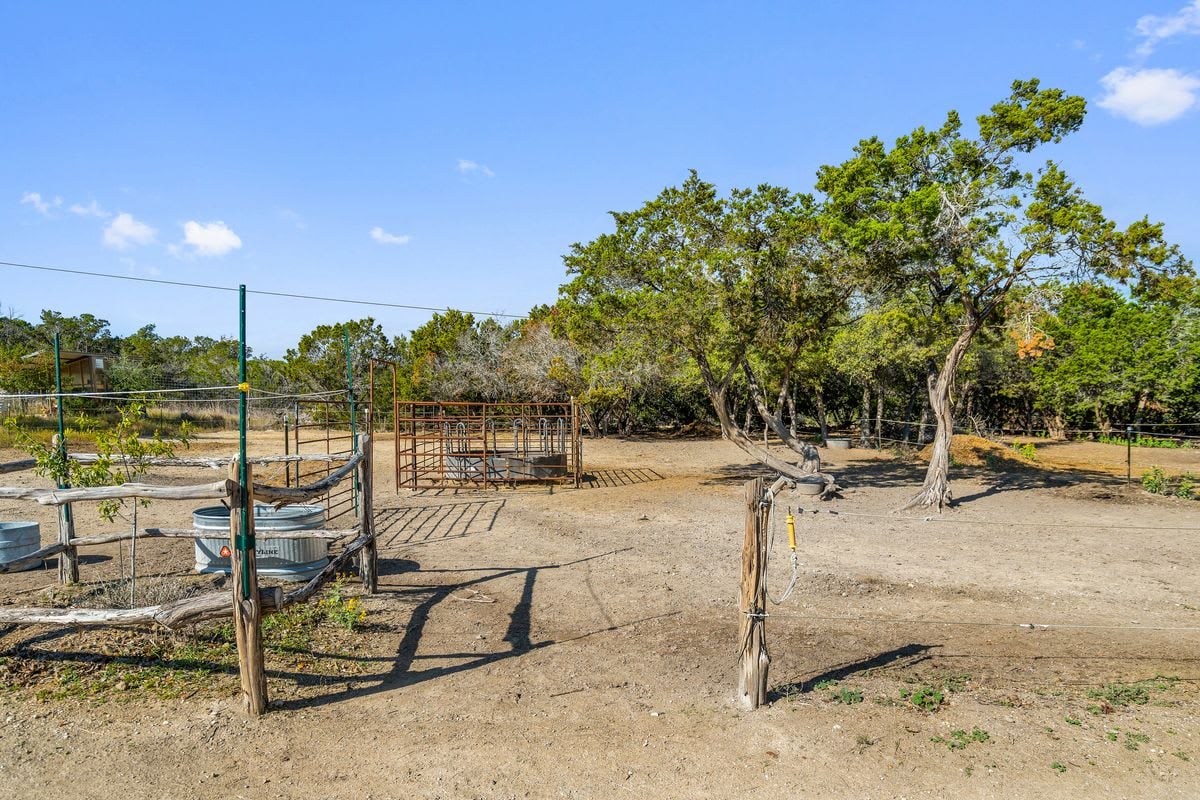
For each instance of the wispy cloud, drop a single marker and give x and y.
(207, 239)
(44, 206)
(125, 232)
(293, 217)
(468, 167)
(383, 237)
(1155, 29)
(92, 209)
(1149, 96)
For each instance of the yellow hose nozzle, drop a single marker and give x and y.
(791, 523)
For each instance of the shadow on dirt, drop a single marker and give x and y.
(610, 478)
(906, 656)
(900, 474)
(407, 667)
(413, 525)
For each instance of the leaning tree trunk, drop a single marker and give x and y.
(791, 404)
(936, 489)
(718, 394)
(864, 426)
(822, 417)
(812, 458)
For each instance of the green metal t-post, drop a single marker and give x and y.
(68, 571)
(353, 417)
(246, 541)
(58, 401)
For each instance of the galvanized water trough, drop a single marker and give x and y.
(284, 559)
(19, 539)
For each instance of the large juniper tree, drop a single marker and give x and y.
(717, 279)
(963, 218)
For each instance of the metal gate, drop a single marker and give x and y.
(325, 427)
(463, 444)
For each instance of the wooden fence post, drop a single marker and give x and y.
(247, 605)
(68, 559)
(752, 633)
(368, 566)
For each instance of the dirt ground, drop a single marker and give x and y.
(581, 643)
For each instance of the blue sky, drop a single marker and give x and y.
(449, 154)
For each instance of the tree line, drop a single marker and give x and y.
(951, 278)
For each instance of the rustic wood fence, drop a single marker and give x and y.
(248, 604)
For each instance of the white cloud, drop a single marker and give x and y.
(92, 209)
(43, 207)
(383, 237)
(466, 166)
(293, 217)
(125, 232)
(1149, 96)
(1154, 29)
(209, 238)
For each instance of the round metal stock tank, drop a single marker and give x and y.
(838, 443)
(810, 486)
(285, 559)
(19, 539)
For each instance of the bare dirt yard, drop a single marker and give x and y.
(580, 643)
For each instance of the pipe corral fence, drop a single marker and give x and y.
(440, 444)
(324, 427)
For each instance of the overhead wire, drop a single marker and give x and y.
(262, 292)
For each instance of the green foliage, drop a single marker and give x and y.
(959, 739)
(318, 362)
(1139, 693)
(1058, 767)
(964, 220)
(846, 696)
(1134, 740)
(345, 612)
(1154, 480)
(1186, 488)
(1141, 441)
(926, 698)
(119, 448)
(1026, 451)
(732, 285)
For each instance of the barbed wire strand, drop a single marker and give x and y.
(291, 295)
(974, 623)
(944, 520)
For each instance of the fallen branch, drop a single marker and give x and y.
(282, 496)
(173, 615)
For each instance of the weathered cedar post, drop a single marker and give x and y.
(247, 605)
(68, 559)
(755, 661)
(368, 559)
